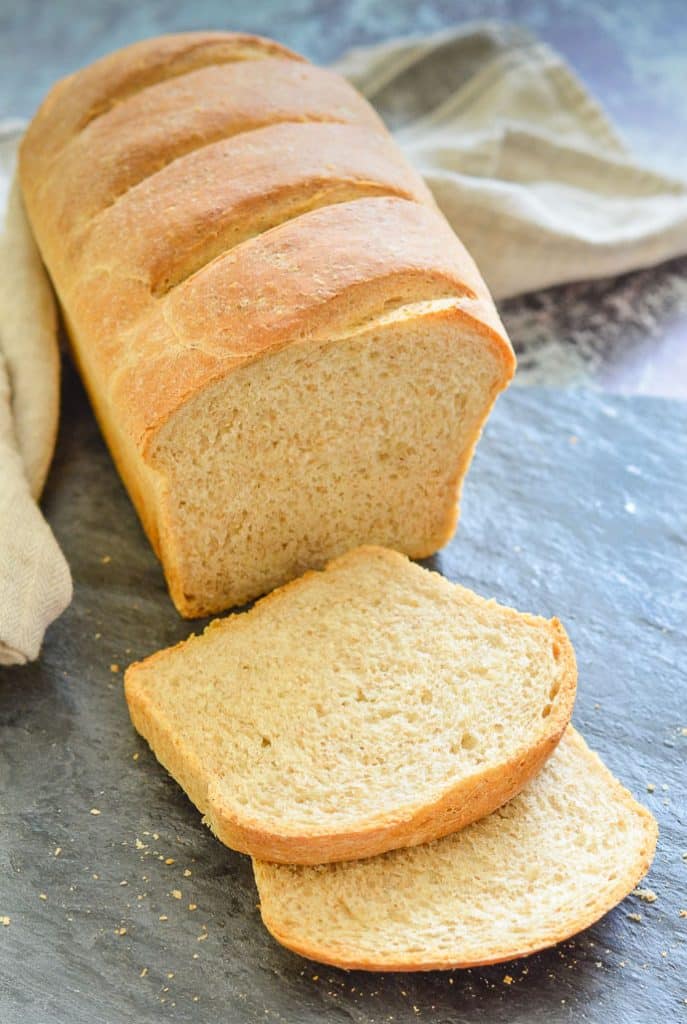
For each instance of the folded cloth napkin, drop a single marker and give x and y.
(520, 158)
(522, 161)
(35, 583)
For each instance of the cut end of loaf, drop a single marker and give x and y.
(545, 866)
(371, 706)
(335, 443)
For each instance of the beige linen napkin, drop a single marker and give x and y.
(524, 164)
(35, 583)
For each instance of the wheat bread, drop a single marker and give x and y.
(548, 864)
(287, 348)
(369, 706)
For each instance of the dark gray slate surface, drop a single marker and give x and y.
(575, 506)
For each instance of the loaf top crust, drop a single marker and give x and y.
(203, 199)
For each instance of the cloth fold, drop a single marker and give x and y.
(35, 582)
(521, 159)
(524, 164)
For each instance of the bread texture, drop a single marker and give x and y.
(369, 706)
(287, 348)
(543, 867)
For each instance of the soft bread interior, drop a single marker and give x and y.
(368, 706)
(541, 868)
(323, 446)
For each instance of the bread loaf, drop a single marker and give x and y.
(543, 867)
(370, 706)
(288, 350)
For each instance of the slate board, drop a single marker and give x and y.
(575, 506)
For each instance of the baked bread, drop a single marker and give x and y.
(287, 348)
(548, 864)
(370, 706)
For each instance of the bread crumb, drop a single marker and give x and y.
(42, 896)
(176, 893)
(114, 667)
(664, 952)
(170, 974)
(95, 811)
(169, 860)
(5, 921)
(106, 559)
(193, 906)
(650, 787)
(120, 931)
(135, 757)
(635, 917)
(683, 732)
(648, 895)
(163, 917)
(140, 845)
(683, 913)
(196, 956)
(143, 972)
(195, 999)
(203, 937)
(97, 877)
(187, 872)
(97, 636)
(507, 979)
(315, 977)
(155, 835)
(58, 851)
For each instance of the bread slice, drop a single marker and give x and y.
(370, 706)
(545, 866)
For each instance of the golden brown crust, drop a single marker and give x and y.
(235, 189)
(339, 956)
(455, 808)
(167, 120)
(78, 99)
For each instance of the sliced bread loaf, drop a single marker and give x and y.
(370, 706)
(248, 266)
(540, 869)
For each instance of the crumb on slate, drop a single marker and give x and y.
(647, 895)
(635, 917)
(94, 811)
